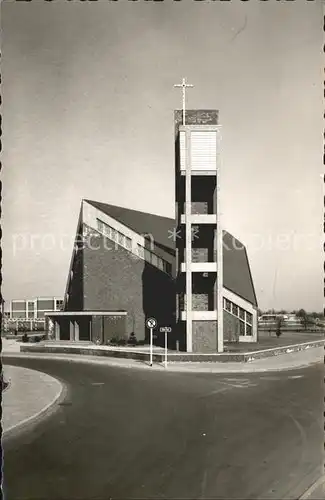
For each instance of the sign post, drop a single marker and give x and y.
(166, 329)
(151, 324)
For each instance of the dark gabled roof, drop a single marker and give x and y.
(236, 272)
(143, 223)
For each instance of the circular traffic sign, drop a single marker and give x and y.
(151, 323)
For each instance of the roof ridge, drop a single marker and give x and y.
(94, 202)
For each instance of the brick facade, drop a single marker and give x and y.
(105, 328)
(197, 207)
(200, 301)
(114, 279)
(75, 291)
(200, 254)
(196, 117)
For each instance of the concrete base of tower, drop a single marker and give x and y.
(204, 335)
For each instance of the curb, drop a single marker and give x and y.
(36, 417)
(226, 357)
(312, 488)
(171, 368)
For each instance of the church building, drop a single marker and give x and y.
(188, 272)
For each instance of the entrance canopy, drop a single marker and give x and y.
(95, 326)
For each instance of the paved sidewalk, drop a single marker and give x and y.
(281, 362)
(30, 394)
(9, 345)
(289, 361)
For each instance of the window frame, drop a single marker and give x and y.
(140, 251)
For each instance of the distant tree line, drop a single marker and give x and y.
(301, 313)
(307, 319)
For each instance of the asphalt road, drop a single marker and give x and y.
(123, 433)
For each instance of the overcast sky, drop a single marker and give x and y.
(88, 102)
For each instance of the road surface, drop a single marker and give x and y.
(123, 433)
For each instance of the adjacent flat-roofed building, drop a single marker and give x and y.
(34, 308)
(187, 272)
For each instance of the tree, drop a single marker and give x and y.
(278, 331)
(316, 315)
(303, 318)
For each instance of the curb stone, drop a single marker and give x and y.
(21, 416)
(172, 366)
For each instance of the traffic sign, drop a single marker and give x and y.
(166, 329)
(151, 322)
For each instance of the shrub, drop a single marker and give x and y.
(132, 339)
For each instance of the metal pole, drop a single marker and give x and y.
(184, 105)
(151, 346)
(220, 342)
(165, 348)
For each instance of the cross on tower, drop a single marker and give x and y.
(183, 86)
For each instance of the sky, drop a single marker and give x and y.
(88, 98)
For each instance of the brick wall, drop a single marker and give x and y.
(200, 254)
(204, 336)
(196, 117)
(75, 290)
(114, 279)
(197, 207)
(200, 302)
(114, 327)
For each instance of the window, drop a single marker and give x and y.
(228, 305)
(140, 251)
(59, 305)
(241, 313)
(235, 310)
(100, 226)
(154, 260)
(246, 318)
(120, 239)
(248, 330)
(128, 243)
(249, 318)
(113, 234)
(168, 267)
(147, 255)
